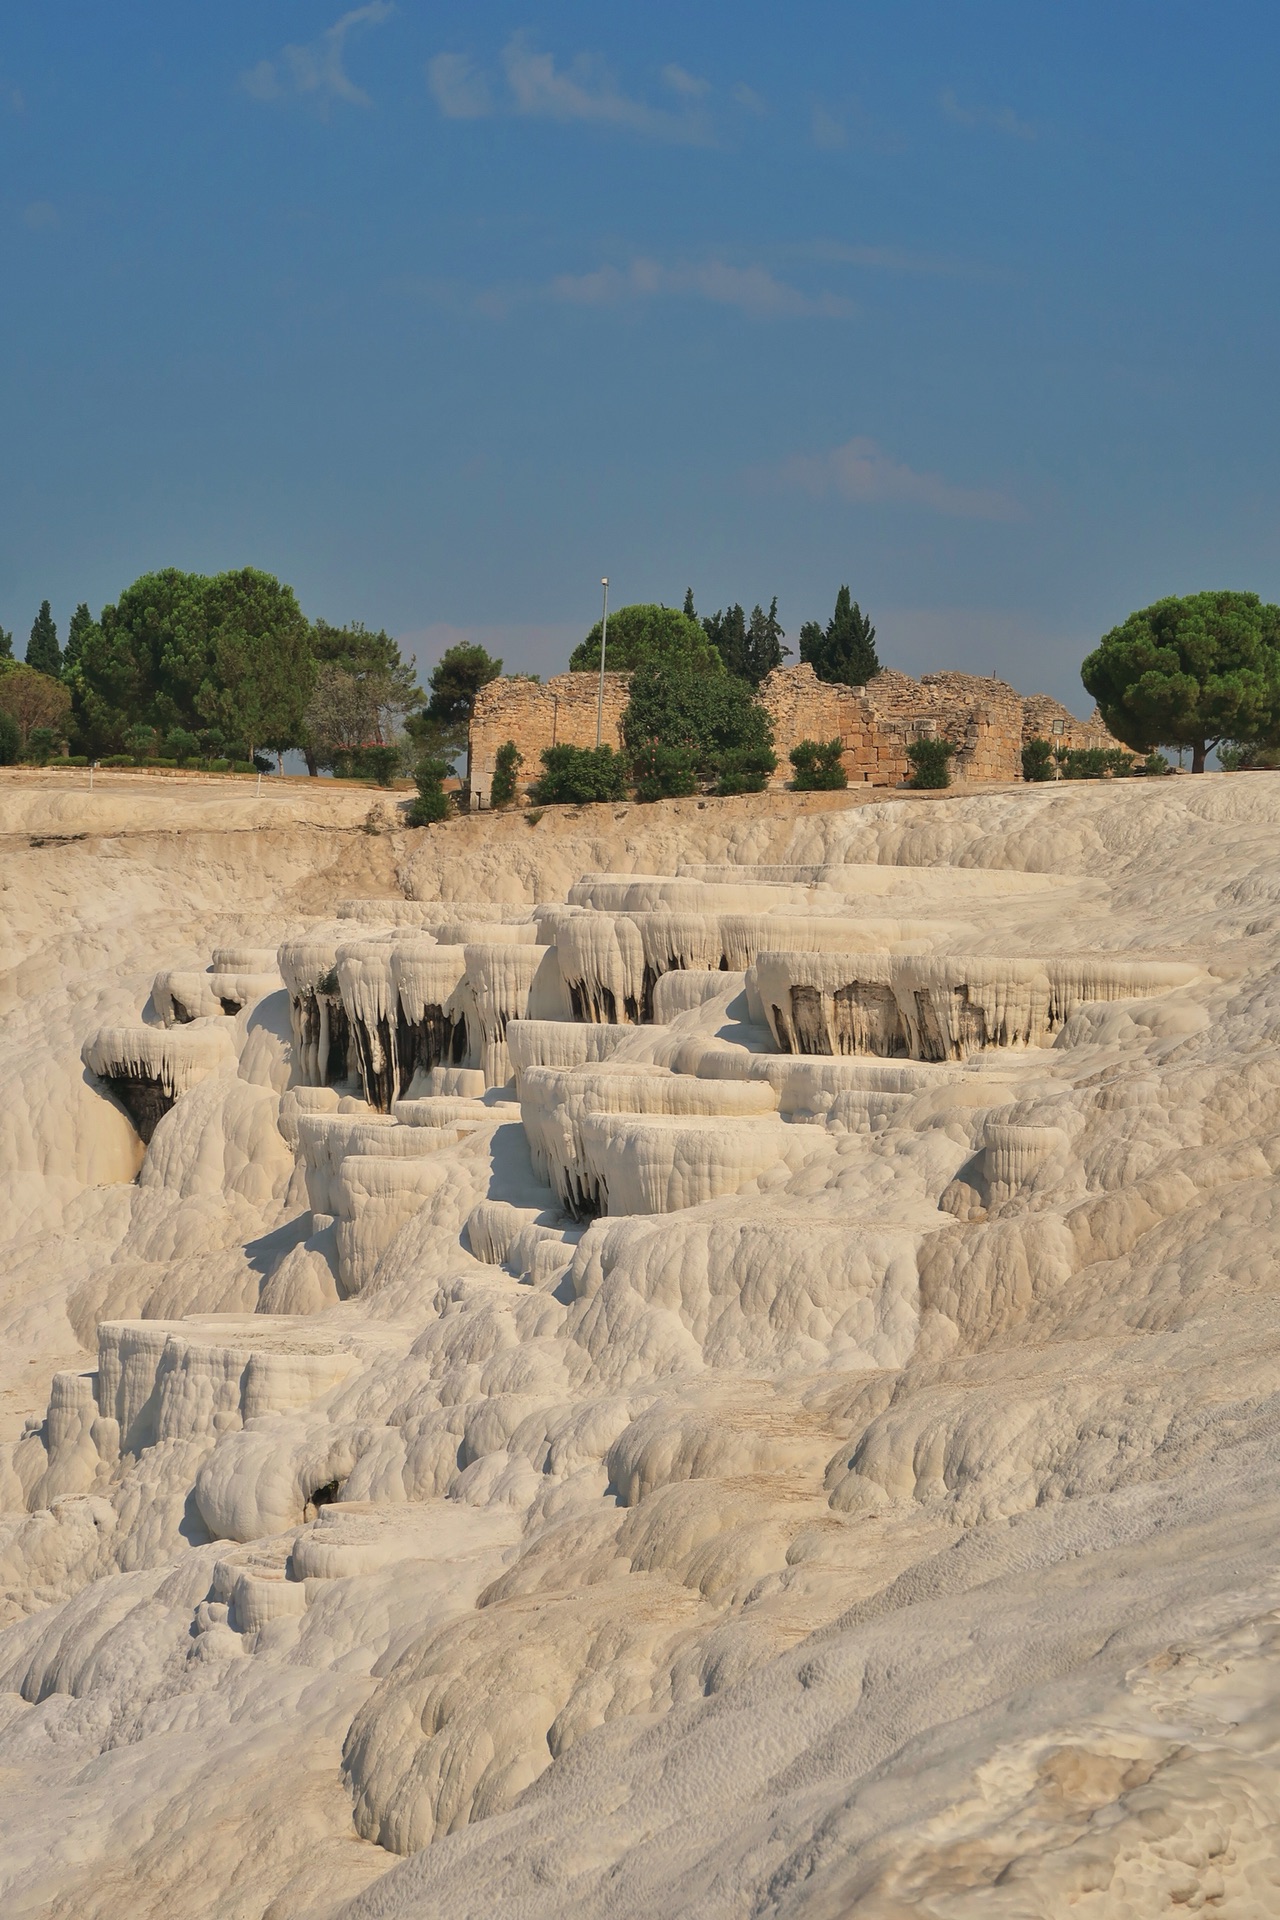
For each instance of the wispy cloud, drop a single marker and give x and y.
(12, 97)
(861, 471)
(747, 98)
(999, 119)
(688, 84)
(752, 290)
(316, 71)
(41, 216)
(827, 133)
(585, 91)
(832, 129)
(457, 89)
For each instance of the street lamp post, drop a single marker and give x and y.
(604, 629)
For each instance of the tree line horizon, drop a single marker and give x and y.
(210, 669)
(225, 670)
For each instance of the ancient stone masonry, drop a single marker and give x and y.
(559, 712)
(987, 720)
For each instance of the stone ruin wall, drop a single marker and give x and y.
(988, 720)
(535, 714)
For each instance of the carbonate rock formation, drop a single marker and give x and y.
(712, 1359)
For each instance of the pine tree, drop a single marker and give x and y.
(43, 651)
(81, 621)
(689, 613)
(6, 645)
(845, 651)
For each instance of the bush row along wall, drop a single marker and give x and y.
(987, 719)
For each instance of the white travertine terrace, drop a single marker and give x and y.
(555, 1102)
(509, 983)
(369, 999)
(321, 1034)
(560, 1043)
(180, 995)
(148, 1068)
(248, 960)
(940, 1008)
(601, 960)
(429, 984)
(459, 932)
(735, 1391)
(441, 1110)
(648, 893)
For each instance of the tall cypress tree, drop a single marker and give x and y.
(43, 651)
(764, 648)
(727, 632)
(845, 650)
(6, 645)
(81, 621)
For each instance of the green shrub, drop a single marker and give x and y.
(818, 766)
(162, 763)
(73, 760)
(116, 760)
(380, 764)
(664, 773)
(578, 775)
(746, 770)
(1037, 760)
(931, 761)
(1094, 763)
(41, 744)
(10, 740)
(181, 744)
(141, 742)
(243, 766)
(219, 766)
(433, 803)
(1154, 765)
(503, 790)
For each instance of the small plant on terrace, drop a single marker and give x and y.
(818, 766)
(503, 791)
(931, 761)
(1037, 760)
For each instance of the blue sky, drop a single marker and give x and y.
(439, 312)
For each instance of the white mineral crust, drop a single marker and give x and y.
(695, 1360)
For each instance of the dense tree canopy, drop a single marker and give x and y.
(642, 635)
(1190, 672)
(43, 651)
(225, 657)
(260, 666)
(844, 650)
(33, 700)
(682, 725)
(749, 649)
